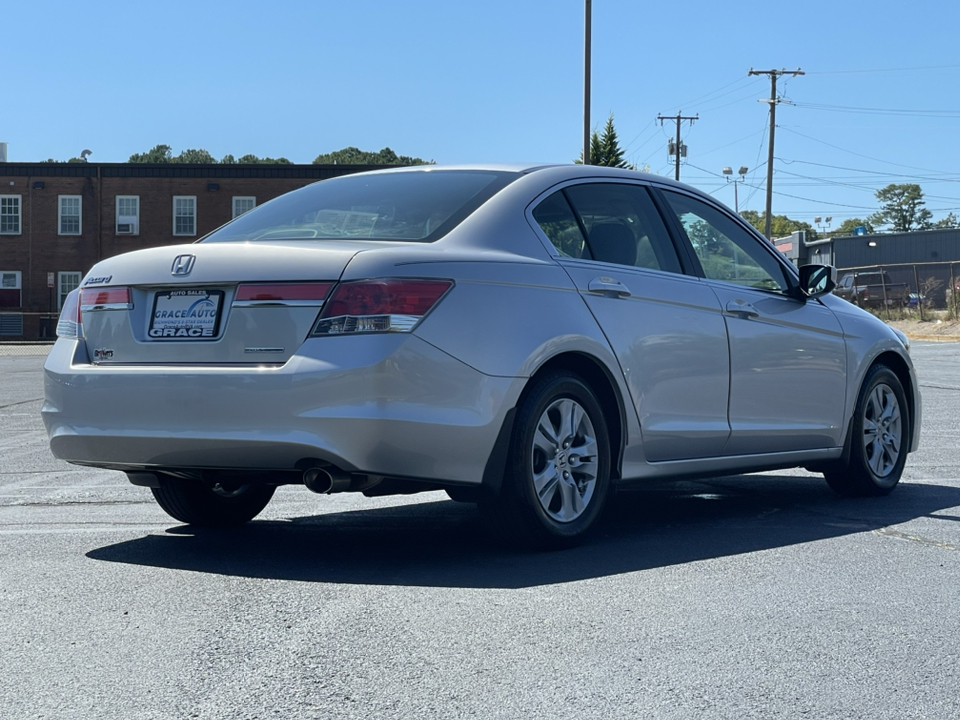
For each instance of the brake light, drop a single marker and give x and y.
(388, 305)
(115, 298)
(282, 294)
(69, 325)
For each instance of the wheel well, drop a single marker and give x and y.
(608, 395)
(899, 367)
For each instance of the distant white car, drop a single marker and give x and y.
(522, 337)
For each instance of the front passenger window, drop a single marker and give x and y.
(726, 251)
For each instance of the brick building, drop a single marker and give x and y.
(58, 219)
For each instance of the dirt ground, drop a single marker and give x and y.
(935, 330)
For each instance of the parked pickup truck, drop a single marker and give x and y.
(870, 289)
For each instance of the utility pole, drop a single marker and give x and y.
(679, 146)
(774, 101)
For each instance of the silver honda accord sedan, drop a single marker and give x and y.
(523, 337)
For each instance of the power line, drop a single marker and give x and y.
(724, 87)
(766, 121)
(930, 178)
(882, 70)
(837, 147)
(945, 114)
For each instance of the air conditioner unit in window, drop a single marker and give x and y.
(127, 225)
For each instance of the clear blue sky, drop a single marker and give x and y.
(501, 80)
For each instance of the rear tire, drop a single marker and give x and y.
(558, 468)
(197, 503)
(878, 441)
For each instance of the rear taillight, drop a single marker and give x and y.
(84, 300)
(282, 294)
(376, 306)
(114, 298)
(69, 324)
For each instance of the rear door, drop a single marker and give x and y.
(665, 327)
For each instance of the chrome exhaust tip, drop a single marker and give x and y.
(326, 480)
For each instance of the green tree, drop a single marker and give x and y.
(355, 156)
(159, 154)
(605, 149)
(902, 209)
(196, 157)
(254, 160)
(849, 227)
(950, 222)
(782, 226)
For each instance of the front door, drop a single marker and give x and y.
(787, 355)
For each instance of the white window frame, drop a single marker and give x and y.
(136, 199)
(243, 198)
(5, 215)
(18, 286)
(66, 281)
(61, 216)
(192, 215)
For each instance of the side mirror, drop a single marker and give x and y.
(817, 280)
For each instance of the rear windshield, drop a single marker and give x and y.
(411, 206)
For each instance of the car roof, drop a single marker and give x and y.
(558, 172)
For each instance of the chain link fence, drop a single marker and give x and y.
(8, 349)
(934, 289)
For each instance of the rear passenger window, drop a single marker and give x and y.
(559, 224)
(623, 226)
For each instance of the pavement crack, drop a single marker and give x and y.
(897, 535)
(21, 402)
(939, 387)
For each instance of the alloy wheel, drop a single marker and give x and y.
(882, 431)
(565, 460)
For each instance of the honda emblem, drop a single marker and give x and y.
(182, 265)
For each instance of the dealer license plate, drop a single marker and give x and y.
(186, 315)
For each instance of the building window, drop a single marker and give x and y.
(128, 214)
(9, 214)
(66, 283)
(243, 204)
(9, 288)
(70, 214)
(184, 215)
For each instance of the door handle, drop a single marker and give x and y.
(742, 308)
(608, 286)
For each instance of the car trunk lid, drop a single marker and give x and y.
(209, 304)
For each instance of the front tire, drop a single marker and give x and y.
(558, 468)
(878, 441)
(218, 505)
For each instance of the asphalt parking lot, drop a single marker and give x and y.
(756, 596)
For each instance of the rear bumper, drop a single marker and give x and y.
(381, 404)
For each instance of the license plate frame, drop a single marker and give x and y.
(185, 315)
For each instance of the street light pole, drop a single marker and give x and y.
(588, 11)
(728, 173)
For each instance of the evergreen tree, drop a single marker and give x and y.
(605, 149)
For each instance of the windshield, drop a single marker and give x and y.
(417, 206)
